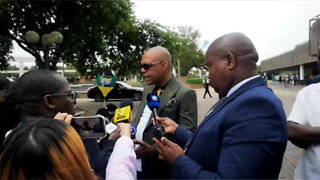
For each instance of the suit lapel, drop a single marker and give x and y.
(249, 85)
(170, 90)
(168, 93)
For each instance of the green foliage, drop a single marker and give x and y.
(194, 80)
(5, 50)
(96, 34)
(72, 74)
(259, 69)
(14, 76)
(89, 28)
(13, 67)
(183, 45)
(133, 43)
(190, 55)
(135, 83)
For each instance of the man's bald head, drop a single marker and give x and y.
(231, 59)
(156, 66)
(161, 53)
(236, 43)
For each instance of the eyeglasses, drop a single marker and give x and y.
(72, 95)
(148, 66)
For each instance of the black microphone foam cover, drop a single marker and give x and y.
(111, 107)
(126, 102)
(103, 112)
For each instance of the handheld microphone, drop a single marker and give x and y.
(126, 102)
(123, 114)
(103, 112)
(153, 103)
(111, 110)
(108, 113)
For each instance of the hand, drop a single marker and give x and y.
(168, 151)
(125, 129)
(63, 117)
(168, 124)
(143, 150)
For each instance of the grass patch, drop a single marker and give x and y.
(194, 80)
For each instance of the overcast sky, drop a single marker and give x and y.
(273, 26)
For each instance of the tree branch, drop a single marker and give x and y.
(36, 55)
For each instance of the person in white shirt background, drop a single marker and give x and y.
(304, 131)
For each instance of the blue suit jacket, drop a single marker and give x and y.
(244, 137)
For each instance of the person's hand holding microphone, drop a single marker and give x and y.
(124, 129)
(168, 124)
(168, 151)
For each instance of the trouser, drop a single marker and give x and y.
(207, 92)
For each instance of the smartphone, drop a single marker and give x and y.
(90, 126)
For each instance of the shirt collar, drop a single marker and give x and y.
(237, 86)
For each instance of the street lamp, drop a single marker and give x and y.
(47, 40)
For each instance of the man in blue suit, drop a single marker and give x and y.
(244, 136)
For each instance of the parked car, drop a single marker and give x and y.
(120, 91)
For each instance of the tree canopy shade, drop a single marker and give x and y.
(5, 50)
(88, 27)
(181, 43)
(95, 34)
(184, 46)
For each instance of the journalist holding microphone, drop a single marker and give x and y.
(42, 94)
(244, 136)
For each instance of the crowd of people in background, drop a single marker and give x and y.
(293, 79)
(238, 138)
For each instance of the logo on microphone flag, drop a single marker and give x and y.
(133, 129)
(122, 114)
(155, 98)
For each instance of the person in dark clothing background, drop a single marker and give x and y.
(206, 86)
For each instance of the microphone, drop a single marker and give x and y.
(111, 108)
(153, 103)
(124, 114)
(126, 102)
(103, 112)
(107, 112)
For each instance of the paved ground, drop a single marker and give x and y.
(293, 153)
(286, 94)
